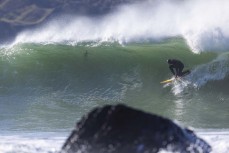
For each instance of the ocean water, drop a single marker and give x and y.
(52, 75)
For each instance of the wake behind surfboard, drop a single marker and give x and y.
(184, 73)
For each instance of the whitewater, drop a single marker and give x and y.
(53, 74)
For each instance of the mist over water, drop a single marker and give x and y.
(204, 25)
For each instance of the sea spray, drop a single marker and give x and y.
(215, 70)
(203, 25)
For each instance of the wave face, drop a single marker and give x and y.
(46, 82)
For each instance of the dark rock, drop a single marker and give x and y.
(121, 129)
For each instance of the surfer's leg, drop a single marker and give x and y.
(179, 70)
(171, 69)
(186, 72)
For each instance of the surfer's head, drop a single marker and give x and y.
(169, 61)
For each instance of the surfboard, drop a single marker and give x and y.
(167, 81)
(186, 72)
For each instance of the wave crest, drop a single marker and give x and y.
(203, 25)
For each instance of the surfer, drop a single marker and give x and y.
(176, 67)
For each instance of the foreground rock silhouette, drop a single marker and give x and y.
(121, 129)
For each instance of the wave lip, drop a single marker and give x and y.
(145, 21)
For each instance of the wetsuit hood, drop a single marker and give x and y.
(169, 61)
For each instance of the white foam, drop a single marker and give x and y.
(204, 24)
(41, 143)
(217, 139)
(30, 144)
(179, 86)
(217, 69)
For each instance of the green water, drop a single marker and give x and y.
(46, 87)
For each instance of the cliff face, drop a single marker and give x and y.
(20, 14)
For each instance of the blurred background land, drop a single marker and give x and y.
(16, 15)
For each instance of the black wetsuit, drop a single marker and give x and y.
(177, 65)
